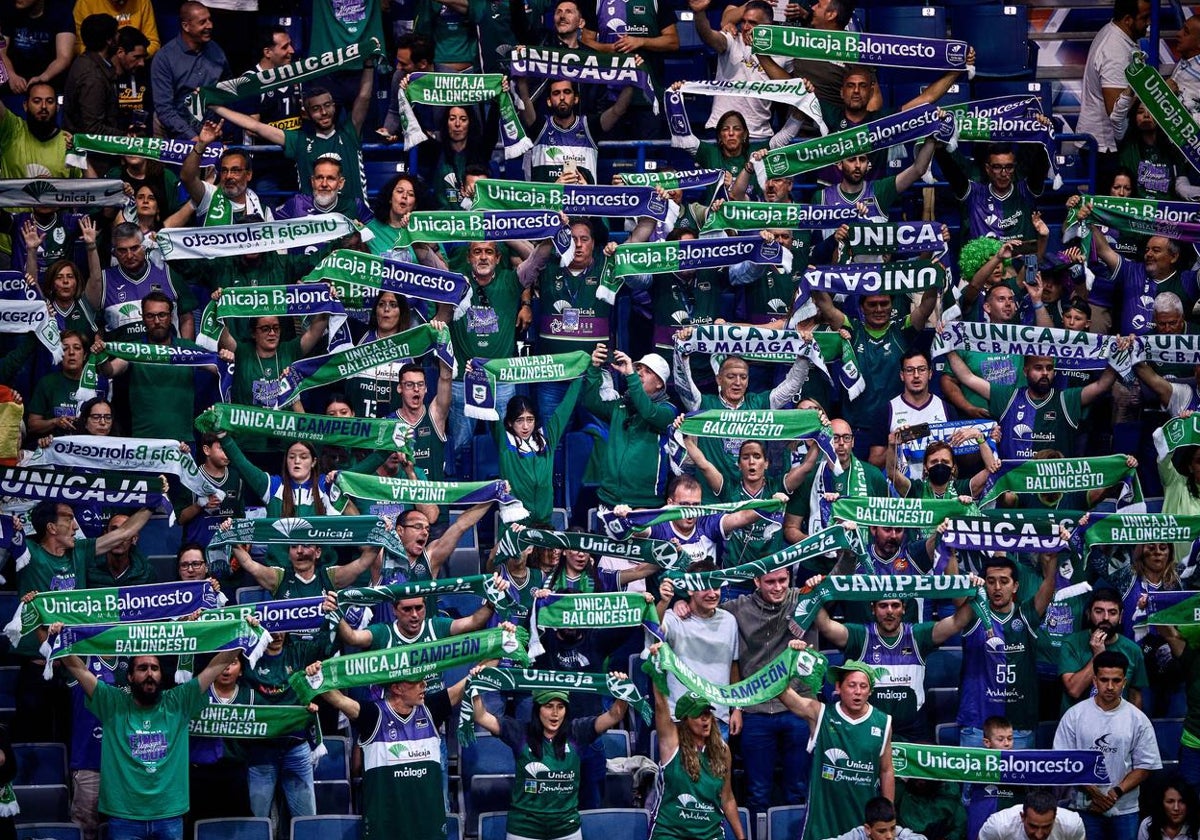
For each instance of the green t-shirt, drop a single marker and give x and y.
(144, 754)
(762, 536)
(545, 800)
(1076, 653)
(688, 810)
(47, 573)
(1000, 369)
(710, 156)
(54, 396)
(451, 32)
(1054, 424)
(169, 391)
(340, 23)
(847, 756)
(879, 353)
(489, 329)
(571, 316)
(252, 379)
(722, 453)
(305, 146)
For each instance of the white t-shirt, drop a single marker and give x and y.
(1181, 398)
(1125, 736)
(904, 413)
(708, 645)
(1105, 68)
(1144, 832)
(739, 64)
(1007, 825)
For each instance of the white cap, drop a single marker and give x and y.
(657, 364)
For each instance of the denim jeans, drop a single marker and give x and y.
(169, 829)
(1100, 827)
(288, 767)
(462, 427)
(769, 740)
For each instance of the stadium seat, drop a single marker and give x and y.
(578, 449)
(159, 538)
(917, 21)
(943, 667)
(230, 828)
(454, 827)
(471, 538)
(1044, 735)
(616, 743)
(463, 562)
(946, 734)
(41, 764)
(485, 460)
(42, 803)
(487, 755)
(327, 828)
(744, 818)
(334, 766)
(626, 823)
(905, 91)
(991, 88)
(378, 171)
(1169, 733)
(488, 792)
(251, 595)
(460, 604)
(784, 822)
(942, 704)
(49, 831)
(493, 825)
(999, 35)
(332, 797)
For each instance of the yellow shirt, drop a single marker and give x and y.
(136, 13)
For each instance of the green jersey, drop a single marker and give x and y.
(1028, 425)
(847, 756)
(144, 754)
(879, 353)
(572, 316)
(489, 329)
(428, 445)
(1076, 653)
(530, 471)
(545, 798)
(762, 536)
(999, 369)
(340, 23)
(679, 301)
(169, 391)
(388, 635)
(54, 396)
(688, 809)
(253, 377)
(901, 693)
(47, 573)
(305, 146)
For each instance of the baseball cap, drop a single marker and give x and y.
(544, 697)
(691, 705)
(837, 672)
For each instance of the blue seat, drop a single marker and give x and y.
(942, 668)
(784, 822)
(454, 827)
(41, 764)
(917, 21)
(9, 603)
(49, 831)
(616, 743)
(991, 88)
(487, 755)
(626, 823)
(904, 92)
(8, 685)
(946, 734)
(42, 803)
(493, 825)
(460, 604)
(485, 460)
(1169, 733)
(327, 828)
(744, 819)
(1043, 736)
(999, 35)
(686, 67)
(488, 792)
(942, 704)
(334, 766)
(158, 538)
(234, 828)
(463, 562)
(578, 449)
(332, 797)
(378, 171)
(251, 595)
(470, 539)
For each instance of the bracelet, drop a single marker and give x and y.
(1039, 305)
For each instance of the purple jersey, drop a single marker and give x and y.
(706, 542)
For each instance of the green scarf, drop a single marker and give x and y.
(979, 765)
(254, 83)
(1140, 528)
(154, 148)
(792, 424)
(375, 488)
(664, 554)
(836, 538)
(1164, 105)
(9, 806)
(168, 638)
(350, 432)
(234, 720)
(299, 299)
(531, 680)
(1176, 433)
(481, 380)
(1064, 475)
(307, 530)
(760, 687)
(634, 258)
(888, 512)
(588, 609)
(410, 663)
(866, 588)
(448, 89)
(481, 585)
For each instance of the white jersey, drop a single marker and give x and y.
(903, 413)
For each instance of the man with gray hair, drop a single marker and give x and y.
(1138, 284)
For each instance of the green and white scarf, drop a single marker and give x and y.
(640, 520)
(167, 638)
(306, 530)
(1072, 349)
(235, 720)
(358, 277)
(634, 258)
(1140, 528)
(254, 83)
(163, 150)
(889, 512)
(895, 278)
(664, 554)
(376, 488)
(574, 199)
(978, 765)
(298, 299)
(1164, 105)
(533, 680)
(216, 241)
(62, 192)
(789, 215)
(867, 588)
(588, 609)
(1066, 475)
(762, 424)
(367, 596)
(481, 379)
(820, 544)
(448, 89)
(875, 49)
(151, 354)
(763, 685)
(93, 452)
(349, 432)
(9, 807)
(1176, 433)
(1167, 349)
(410, 663)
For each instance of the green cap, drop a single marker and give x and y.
(836, 672)
(544, 697)
(691, 705)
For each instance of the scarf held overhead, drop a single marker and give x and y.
(62, 192)
(583, 67)
(205, 243)
(482, 377)
(639, 520)
(870, 48)
(386, 489)
(686, 255)
(572, 199)
(1176, 433)
(348, 432)
(863, 588)
(788, 215)
(889, 512)
(302, 299)
(358, 276)
(820, 544)
(110, 489)
(1173, 118)
(1140, 528)
(896, 278)
(1066, 475)
(307, 530)
(161, 149)
(488, 226)
(366, 596)
(1070, 349)
(664, 554)
(448, 89)
(253, 84)
(94, 452)
(765, 684)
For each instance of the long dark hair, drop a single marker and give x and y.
(1158, 814)
(517, 406)
(289, 487)
(535, 735)
(85, 411)
(560, 571)
(737, 116)
(383, 202)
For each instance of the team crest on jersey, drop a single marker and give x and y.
(1018, 625)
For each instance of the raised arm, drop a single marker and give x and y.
(269, 133)
(215, 666)
(704, 29)
(189, 173)
(268, 577)
(483, 717)
(342, 576)
(1101, 386)
(440, 549)
(668, 735)
(1154, 381)
(362, 99)
(830, 313)
(94, 290)
(110, 539)
(78, 669)
(965, 377)
(712, 476)
(918, 167)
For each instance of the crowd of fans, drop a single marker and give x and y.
(1067, 641)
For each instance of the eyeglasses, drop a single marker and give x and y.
(192, 564)
(1002, 167)
(416, 527)
(846, 438)
(412, 386)
(156, 316)
(232, 170)
(100, 418)
(268, 328)
(921, 369)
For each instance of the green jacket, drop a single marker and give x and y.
(635, 467)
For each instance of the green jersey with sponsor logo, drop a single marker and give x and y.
(688, 809)
(545, 797)
(847, 755)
